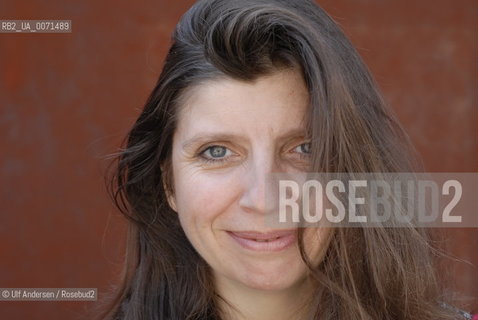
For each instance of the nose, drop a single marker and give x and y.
(256, 192)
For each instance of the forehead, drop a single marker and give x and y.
(276, 101)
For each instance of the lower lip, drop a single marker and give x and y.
(276, 245)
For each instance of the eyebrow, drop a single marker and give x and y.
(200, 137)
(219, 136)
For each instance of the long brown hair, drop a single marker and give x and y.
(367, 273)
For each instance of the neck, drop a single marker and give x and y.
(241, 302)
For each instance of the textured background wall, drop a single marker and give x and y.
(66, 100)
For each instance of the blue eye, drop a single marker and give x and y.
(303, 148)
(215, 153)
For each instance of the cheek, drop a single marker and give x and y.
(202, 198)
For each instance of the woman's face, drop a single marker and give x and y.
(230, 136)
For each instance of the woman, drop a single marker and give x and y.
(249, 88)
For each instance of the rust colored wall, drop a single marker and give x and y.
(66, 100)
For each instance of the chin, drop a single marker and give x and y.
(273, 280)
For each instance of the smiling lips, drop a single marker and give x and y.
(270, 241)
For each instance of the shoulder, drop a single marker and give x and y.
(461, 314)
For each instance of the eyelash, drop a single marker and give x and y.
(305, 143)
(212, 160)
(303, 156)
